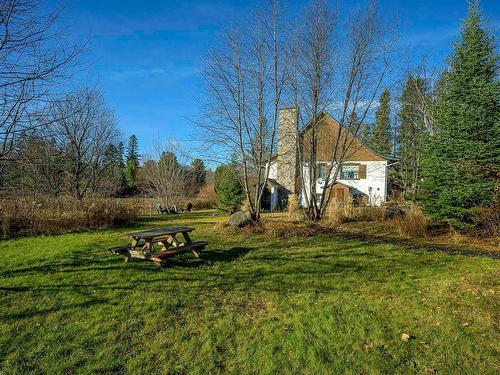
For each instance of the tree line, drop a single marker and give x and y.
(447, 131)
(82, 154)
(57, 140)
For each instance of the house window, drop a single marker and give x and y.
(349, 172)
(322, 169)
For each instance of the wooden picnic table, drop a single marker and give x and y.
(159, 244)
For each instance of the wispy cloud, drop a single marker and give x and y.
(155, 72)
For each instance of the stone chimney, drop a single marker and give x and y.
(287, 148)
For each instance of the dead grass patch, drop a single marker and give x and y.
(413, 224)
(62, 215)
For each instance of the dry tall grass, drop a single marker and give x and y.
(55, 216)
(293, 210)
(413, 224)
(206, 197)
(342, 213)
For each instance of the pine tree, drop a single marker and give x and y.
(228, 187)
(381, 135)
(365, 133)
(198, 173)
(461, 162)
(113, 169)
(132, 161)
(123, 177)
(354, 122)
(410, 131)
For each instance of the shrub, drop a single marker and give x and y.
(342, 213)
(55, 216)
(200, 204)
(413, 224)
(228, 187)
(294, 210)
(206, 198)
(488, 222)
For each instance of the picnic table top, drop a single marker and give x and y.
(160, 232)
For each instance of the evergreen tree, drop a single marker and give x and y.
(362, 130)
(113, 174)
(198, 173)
(354, 122)
(132, 161)
(409, 137)
(228, 187)
(461, 162)
(121, 154)
(365, 132)
(123, 177)
(381, 135)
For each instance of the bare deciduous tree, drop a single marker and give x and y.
(426, 95)
(33, 60)
(342, 73)
(162, 176)
(83, 126)
(245, 77)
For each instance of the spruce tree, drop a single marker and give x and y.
(198, 173)
(132, 161)
(381, 135)
(123, 177)
(113, 169)
(228, 187)
(410, 130)
(461, 161)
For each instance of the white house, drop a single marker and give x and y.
(363, 176)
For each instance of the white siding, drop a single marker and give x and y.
(374, 185)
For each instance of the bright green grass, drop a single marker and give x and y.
(318, 305)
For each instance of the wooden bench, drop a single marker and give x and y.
(123, 249)
(161, 258)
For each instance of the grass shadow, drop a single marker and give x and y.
(408, 244)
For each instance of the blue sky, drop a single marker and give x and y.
(145, 55)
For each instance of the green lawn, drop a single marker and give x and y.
(256, 304)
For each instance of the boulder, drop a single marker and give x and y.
(393, 212)
(240, 218)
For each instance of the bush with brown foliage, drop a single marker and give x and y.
(342, 213)
(488, 221)
(293, 209)
(413, 224)
(206, 197)
(62, 215)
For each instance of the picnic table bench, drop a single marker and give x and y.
(159, 245)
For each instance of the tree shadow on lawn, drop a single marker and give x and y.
(84, 261)
(410, 245)
(30, 313)
(211, 256)
(267, 269)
